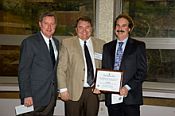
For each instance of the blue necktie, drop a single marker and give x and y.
(90, 70)
(118, 56)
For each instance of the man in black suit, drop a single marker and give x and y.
(133, 63)
(37, 70)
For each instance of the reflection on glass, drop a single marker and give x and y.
(9, 55)
(161, 65)
(153, 18)
(19, 17)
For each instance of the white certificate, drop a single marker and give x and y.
(21, 109)
(108, 80)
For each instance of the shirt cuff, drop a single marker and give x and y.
(63, 90)
(127, 87)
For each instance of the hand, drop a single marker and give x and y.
(65, 96)
(96, 91)
(28, 101)
(124, 91)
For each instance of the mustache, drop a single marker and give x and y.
(120, 31)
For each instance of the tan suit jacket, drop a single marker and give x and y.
(71, 67)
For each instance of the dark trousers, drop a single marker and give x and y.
(43, 110)
(123, 110)
(87, 105)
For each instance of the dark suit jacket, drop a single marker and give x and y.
(134, 65)
(37, 77)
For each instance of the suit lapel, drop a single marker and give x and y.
(56, 43)
(78, 49)
(128, 49)
(44, 47)
(110, 54)
(43, 44)
(95, 50)
(113, 50)
(94, 44)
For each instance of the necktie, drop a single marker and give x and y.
(52, 52)
(118, 56)
(90, 70)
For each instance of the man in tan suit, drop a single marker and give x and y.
(79, 96)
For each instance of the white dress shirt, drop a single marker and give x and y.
(46, 39)
(91, 52)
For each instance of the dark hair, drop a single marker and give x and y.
(127, 17)
(45, 14)
(84, 18)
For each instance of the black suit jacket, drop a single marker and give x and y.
(37, 76)
(134, 65)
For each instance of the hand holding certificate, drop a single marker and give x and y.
(108, 80)
(21, 109)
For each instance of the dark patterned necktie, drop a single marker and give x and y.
(52, 52)
(90, 70)
(118, 56)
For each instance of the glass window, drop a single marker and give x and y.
(161, 65)
(155, 19)
(19, 18)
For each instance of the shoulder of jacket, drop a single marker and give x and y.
(137, 41)
(30, 38)
(100, 41)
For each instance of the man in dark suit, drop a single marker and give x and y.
(132, 61)
(37, 69)
(73, 70)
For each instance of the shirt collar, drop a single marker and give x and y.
(46, 39)
(88, 41)
(124, 41)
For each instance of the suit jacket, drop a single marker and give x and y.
(37, 76)
(71, 67)
(133, 64)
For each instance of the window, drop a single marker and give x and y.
(154, 24)
(18, 19)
